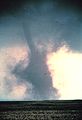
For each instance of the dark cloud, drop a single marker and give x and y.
(77, 3)
(43, 21)
(8, 6)
(11, 6)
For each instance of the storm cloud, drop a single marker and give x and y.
(42, 27)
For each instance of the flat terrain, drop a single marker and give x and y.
(41, 110)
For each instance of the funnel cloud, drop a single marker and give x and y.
(39, 40)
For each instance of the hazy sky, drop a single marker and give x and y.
(31, 34)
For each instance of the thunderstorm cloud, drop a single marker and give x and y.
(40, 49)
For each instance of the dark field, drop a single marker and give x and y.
(41, 110)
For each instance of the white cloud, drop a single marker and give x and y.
(65, 67)
(10, 88)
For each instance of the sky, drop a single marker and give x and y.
(40, 50)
